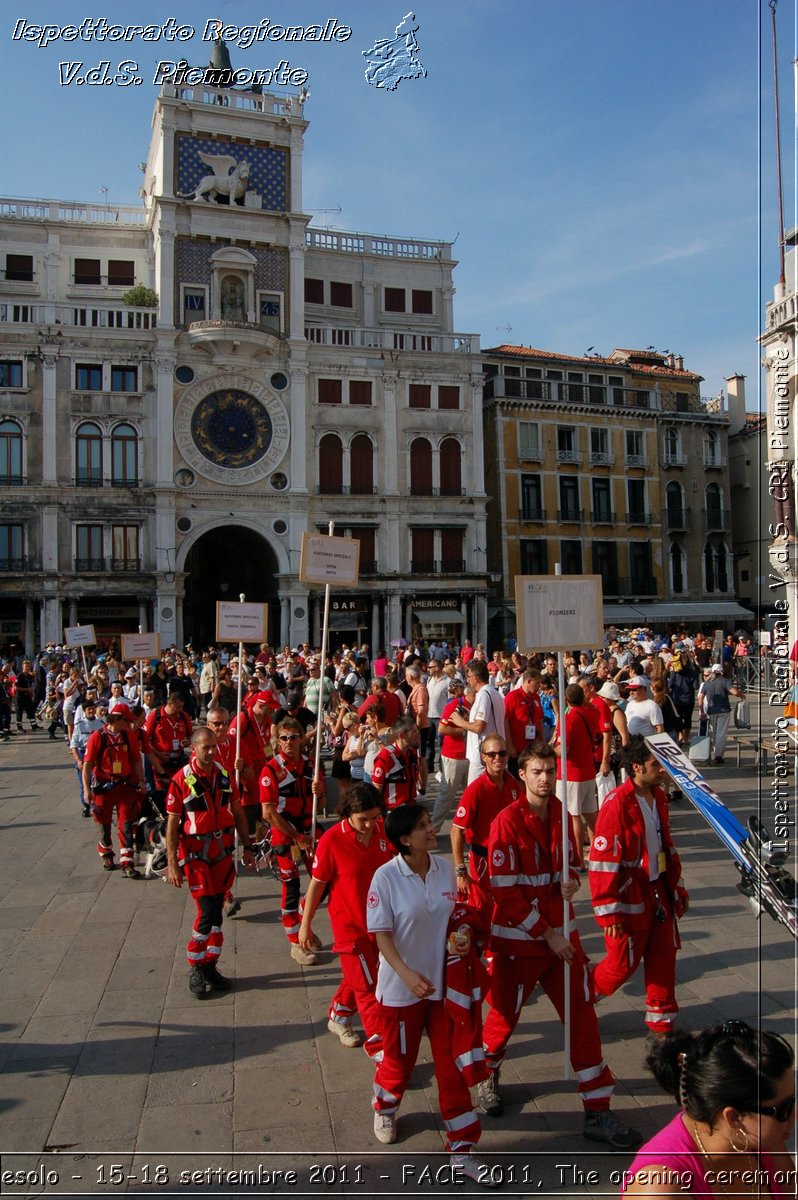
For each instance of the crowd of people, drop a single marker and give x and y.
(222, 752)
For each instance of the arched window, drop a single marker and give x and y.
(709, 568)
(89, 455)
(711, 449)
(361, 465)
(721, 574)
(420, 467)
(672, 451)
(677, 569)
(713, 498)
(10, 452)
(331, 465)
(124, 456)
(451, 468)
(674, 507)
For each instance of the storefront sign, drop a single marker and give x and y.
(351, 604)
(436, 602)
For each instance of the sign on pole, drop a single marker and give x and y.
(559, 612)
(79, 635)
(329, 560)
(241, 622)
(140, 645)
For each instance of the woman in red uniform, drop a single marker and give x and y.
(346, 858)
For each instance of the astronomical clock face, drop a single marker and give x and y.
(231, 430)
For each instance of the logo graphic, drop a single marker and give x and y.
(498, 858)
(390, 60)
(373, 900)
(461, 811)
(600, 843)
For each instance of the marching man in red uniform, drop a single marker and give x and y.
(480, 803)
(202, 815)
(167, 734)
(530, 889)
(112, 776)
(287, 788)
(398, 769)
(635, 882)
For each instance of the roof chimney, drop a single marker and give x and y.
(735, 403)
(679, 362)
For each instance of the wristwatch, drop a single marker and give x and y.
(461, 870)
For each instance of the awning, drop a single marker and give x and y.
(439, 616)
(652, 613)
(349, 620)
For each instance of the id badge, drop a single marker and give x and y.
(116, 768)
(175, 743)
(662, 862)
(530, 733)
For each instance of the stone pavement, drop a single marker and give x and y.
(114, 1079)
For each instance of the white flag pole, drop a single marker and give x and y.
(566, 855)
(141, 675)
(320, 716)
(238, 732)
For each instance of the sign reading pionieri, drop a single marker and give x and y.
(332, 560)
(559, 612)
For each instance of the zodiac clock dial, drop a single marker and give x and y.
(231, 429)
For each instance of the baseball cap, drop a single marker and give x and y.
(120, 710)
(717, 669)
(637, 681)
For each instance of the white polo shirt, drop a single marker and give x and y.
(416, 911)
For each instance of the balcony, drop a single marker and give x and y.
(348, 490)
(636, 460)
(638, 518)
(601, 458)
(502, 387)
(673, 458)
(569, 456)
(717, 520)
(14, 565)
(106, 316)
(570, 516)
(393, 339)
(98, 481)
(631, 398)
(714, 461)
(636, 585)
(603, 517)
(13, 481)
(677, 518)
(446, 566)
(368, 566)
(531, 514)
(418, 489)
(107, 566)
(531, 454)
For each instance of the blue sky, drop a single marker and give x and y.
(605, 165)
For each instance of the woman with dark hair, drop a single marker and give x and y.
(736, 1090)
(346, 858)
(408, 908)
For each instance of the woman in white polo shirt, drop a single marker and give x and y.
(408, 908)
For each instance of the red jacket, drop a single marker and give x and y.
(525, 866)
(466, 982)
(619, 874)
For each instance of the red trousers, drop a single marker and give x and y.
(656, 945)
(356, 993)
(126, 801)
(208, 883)
(512, 980)
(401, 1031)
(290, 905)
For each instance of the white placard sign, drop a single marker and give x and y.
(241, 622)
(140, 645)
(559, 612)
(333, 560)
(79, 635)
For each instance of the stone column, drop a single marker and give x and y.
(73, 613)
(30, 630)
(285, 621)
(394, 617)
(143, 618)
(49, 362)
(166, 612)
(298, 417)
(164, 420)
(391, 453)
(481, 630)
(296, 284)
(477, 468)
(52, 626)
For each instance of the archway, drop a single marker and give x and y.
(223, 563)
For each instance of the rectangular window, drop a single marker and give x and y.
(636, 497)
(422, 302)
(534, 556)
(511, 372)
(531, 498)
(341, 295)
(605, 564)
(599, 446)
(11, 547)
(88, 271)
(569, 498)
(367, 536)
(422, 550)
(571, 557)
(394, 299)
(19, 268)
(596, 391)
(640, 568)
(602, 500)
(448, 396)
(89, 377)
(616, 387)
(124, 379)
(360, 391)
(528, 440)
(125, 547)
(420, 395)
(314, 291)
(682, 402)
(452, 561)
(121, 273)
(89, 548)
(11, 374)
(330, 391)
(635, 446)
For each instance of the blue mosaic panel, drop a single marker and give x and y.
(193, 265)
(268, 167)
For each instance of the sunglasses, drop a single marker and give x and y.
(780, 1112)
(288, 737)
(494, 753)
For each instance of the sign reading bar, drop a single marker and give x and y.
(332, 560)
(241, 622)
(559, 612)
(140, 645)
(79, 635)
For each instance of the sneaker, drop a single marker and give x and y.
(718, 761)
(197, 984)
(316, 942)
(604, 1126)
(108, 862)
(489, 1097)
(130, 873)
(385, 1127)
(85, 811)
(305, 958)
(346, 1035)
(215, 979)
(471, 1167)
(35, 726)
(232, 906)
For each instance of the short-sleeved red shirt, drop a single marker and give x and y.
(581, 730)
(480, 804)
(348, 865)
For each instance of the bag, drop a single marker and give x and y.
(604, 785)
(699, 749)
(742, 717)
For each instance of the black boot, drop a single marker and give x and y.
(215, 979)
(196, 982)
